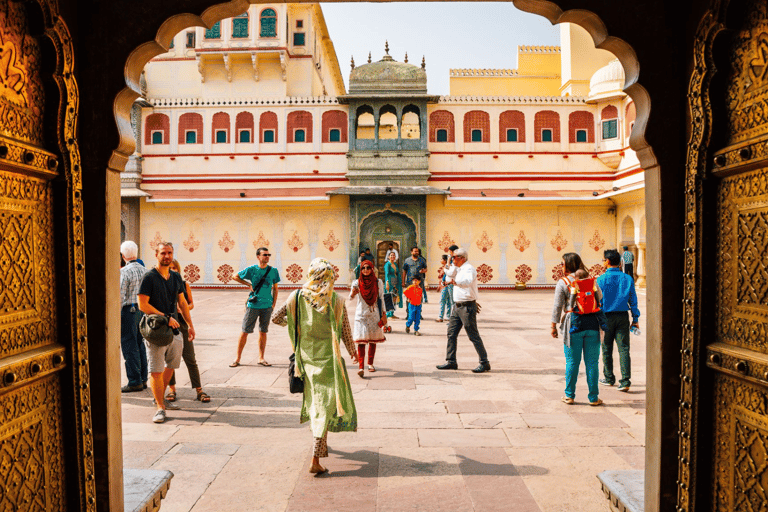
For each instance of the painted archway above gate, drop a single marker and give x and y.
(385, 226)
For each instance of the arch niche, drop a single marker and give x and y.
(386, 226)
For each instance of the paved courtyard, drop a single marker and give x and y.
(428, 440)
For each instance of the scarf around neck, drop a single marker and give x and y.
(369, 284)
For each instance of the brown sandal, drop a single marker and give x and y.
(171, 397)
(203, 397)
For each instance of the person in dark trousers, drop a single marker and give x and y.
(628, 262)
(619, 297)
(131, 343)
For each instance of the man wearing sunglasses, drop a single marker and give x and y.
(262, 280)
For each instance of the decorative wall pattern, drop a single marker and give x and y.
(521, 243)
(331, 242)
(484, 242)
(558, 272)
(226, 243)
(295, 242)
(559, 242)
(261, 241)
(484, 273)
(224, 273)
(157, 240)
(596, 242)
(445, 242)
(523, 273)
(191, 273)
(191, 243)
(294, 273)
(596, 270)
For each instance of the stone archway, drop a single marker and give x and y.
(387, 226)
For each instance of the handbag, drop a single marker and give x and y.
(155, 329)
(295, 384)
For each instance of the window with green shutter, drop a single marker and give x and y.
(298, 39)
(171, 45)
(214, 32)
(157, 137)
(245, 136)
(268, 23)
(512, 135)
(334, 135)
(546, 135)
(240, 26)
(191, 137)
(477, 135)
(299, 136)
(442, 135)
(581, 135)
(269, 135)
(611, 129)
(221, 136)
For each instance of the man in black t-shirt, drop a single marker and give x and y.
(159, 293)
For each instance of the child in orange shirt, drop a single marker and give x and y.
(414, 295)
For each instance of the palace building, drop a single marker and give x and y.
(247, 137)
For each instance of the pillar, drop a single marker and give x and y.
(640, 271)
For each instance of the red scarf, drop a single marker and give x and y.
(369, 284)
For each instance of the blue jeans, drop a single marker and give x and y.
(587, 342)
(414, 316)
(446, 300)
(132, 345)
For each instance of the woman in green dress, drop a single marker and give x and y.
(322, 324)
(392, 282)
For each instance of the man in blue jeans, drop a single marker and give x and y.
(618, 297)
(131, 343)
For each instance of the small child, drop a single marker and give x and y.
(573, 306)
(414, 295)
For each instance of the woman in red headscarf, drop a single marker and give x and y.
(370, 315)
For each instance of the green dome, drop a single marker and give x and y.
(388, 76)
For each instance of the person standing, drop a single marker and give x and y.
(446, 291)
(415, 266)
(392, 282)
(628, 262)
(391, 250)
(160, 292)
(619, 296)
(368, 256)
(322, 322)
(464, 313)
(262, 280)
(131, 343)
(414, 295)
(370, 316)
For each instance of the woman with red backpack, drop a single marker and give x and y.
(581, 337)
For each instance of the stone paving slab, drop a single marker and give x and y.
(427, 440)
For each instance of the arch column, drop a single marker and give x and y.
(640, 265)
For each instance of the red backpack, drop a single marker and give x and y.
(584, 289)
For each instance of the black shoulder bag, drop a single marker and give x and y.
(295, 384)
(258, 286)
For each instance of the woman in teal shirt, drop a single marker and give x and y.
(392, 282)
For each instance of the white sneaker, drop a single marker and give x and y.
(159, 416)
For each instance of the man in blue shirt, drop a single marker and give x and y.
(262, 280)
(618, 297)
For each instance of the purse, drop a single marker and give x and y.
(295, 384)
(155, 329)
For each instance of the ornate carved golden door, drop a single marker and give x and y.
(44, 413)
(724, 408)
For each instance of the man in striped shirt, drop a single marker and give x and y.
(131, 343)
(628, 262)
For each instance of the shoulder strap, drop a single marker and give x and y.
(297, 340)
(263, 278)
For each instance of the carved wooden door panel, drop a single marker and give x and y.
(35, 356)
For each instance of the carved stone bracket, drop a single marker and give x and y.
(227, 66)
(200, 67)
(255, 63)
(283, 65)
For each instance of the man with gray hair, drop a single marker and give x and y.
(134, 351)
(463, 277)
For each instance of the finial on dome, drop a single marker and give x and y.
(352, 62)
(406, 57)
(386, 47)
(423, 63)
(369, 57)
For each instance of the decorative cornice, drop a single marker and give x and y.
(453, 73)
(235, 102)
(538, 49)
(531, 100)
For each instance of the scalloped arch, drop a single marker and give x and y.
(588, 20)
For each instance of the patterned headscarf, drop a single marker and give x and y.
(369, 284)
(319, 286)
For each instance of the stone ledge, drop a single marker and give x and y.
(624, 489)
(144, 489)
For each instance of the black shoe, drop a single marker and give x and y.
(604, 382)
(448, 366)
(130, 389)
(144, 385)
(483, 367)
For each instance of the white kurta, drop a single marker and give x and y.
(366, 328)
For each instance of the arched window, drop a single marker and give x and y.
(512, 126)
(268, 127)
(411, 128)
(157, 129)
(244, 127)
(609, 120)
(365, 123)
(268, 23)
(214, 32)
(546, 126)
(240, 26)
(441, 121)
(629, 116)
(190, 128)
(334, 124)
(220, 128)
(477, 126)
(300, 126)
(387, 123)
(581, 126)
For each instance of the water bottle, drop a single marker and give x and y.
(635, 331)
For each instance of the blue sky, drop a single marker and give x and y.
(450, 35)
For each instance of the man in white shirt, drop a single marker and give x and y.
(464, 281)
(392, 249)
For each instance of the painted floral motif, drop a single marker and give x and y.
(558, 272)
(295, 242)
(191, 243)
(261, 241)
(521, 242)
(484, 243)
(226, 242)
(596, 270)
(293, 273)
(523, 273)
(191, 273)
(445, 242)
(155, 242)
(559, 242)
(596, 242)
(331, 242)
(224, 273)
(335, 272)
(484, 273)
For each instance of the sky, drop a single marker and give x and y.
(449, 35)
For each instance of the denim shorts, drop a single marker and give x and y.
(251, 315)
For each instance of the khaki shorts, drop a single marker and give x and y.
(168, 356)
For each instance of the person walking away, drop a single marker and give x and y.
(464, 313)
(188, 352)
(160, 292)
(446, 291)
(414, 295)
(131, 343)
(415, 266)
(370, 316)
(392, 282)
(581, 333)
(619, 296)
(628, 262)
(322, 322)
(262, 280)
